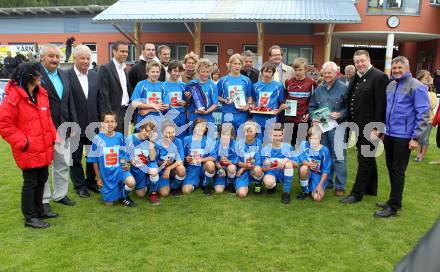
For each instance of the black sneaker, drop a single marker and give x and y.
(272, 191)
(207, 190)
(285, 198)
(258, 189)
(176, 192)
(302, 196)
(231, 188)
(127, 202)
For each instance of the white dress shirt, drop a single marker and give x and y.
(123, 80)
(83, 80)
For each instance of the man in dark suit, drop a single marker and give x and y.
(85, 89)
(62, 109)
(138, 71)
(115, 91)
(366, 104)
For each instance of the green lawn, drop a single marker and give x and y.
(221, 232)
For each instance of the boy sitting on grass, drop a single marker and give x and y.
(110, 164)
(315, 162)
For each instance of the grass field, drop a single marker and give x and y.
(221, 232)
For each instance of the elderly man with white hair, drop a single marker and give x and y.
(332, 94)
(62, 109)
(85, 85)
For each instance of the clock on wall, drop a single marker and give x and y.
(393, 21)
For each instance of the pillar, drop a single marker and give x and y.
(260, 43)
(197, 38)
(389, 53)
(328, 41)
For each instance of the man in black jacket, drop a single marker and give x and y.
(366, 104)
(62, 109)
(138, 71)
(115, 91)
(84, 84)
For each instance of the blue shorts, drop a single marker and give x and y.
(314, 180)
(141, 175)
(220, 181)
(164, 182)
(193, 175)
(243, 180)
(112, 190)
(277, 173)
(236, 119)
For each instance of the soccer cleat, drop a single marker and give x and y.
(285, 198)
(176, 192)
(302, 196)
(127, 202)
(231, 188)
(258, 189)
(153, 198)
(207, 190)
(272, 191)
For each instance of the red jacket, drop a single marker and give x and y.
(27, 127)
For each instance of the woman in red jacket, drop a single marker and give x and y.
(26, 124)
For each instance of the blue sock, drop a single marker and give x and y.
(287, 183)
(125, 191)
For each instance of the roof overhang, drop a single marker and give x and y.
(271, 11)
(58, 10)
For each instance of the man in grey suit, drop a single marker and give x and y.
(62, 109)
(84, 84)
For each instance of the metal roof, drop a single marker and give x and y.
(287, 11)
(58, 10)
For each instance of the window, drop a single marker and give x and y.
(404, 7)
(93, 48)
(435, 3)
(131, 59)
(293, 52)
(210, 49)
(178, 51)
(251, 47)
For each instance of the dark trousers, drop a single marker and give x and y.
(298, 130)
(121, 116)
(68, 53)
(32, 191)
(366, 176)
(397, 158)
(77, 171)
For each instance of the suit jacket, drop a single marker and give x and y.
(110, 96)
(87, 109)
(138, 73)
(62, 110)
(370, 98)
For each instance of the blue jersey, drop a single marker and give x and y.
(249, 153)
(139, 151)
(172, 153)
(321, 158)
(225, 151)
(210, 91)
(198, 148)
(108, 152)
(174, 92)
(149, 93)
(230, 86)
(267, 95)
(275, 155)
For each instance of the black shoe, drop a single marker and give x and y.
(84, 193)
(66, 201)
(285, 198)
(272, 191)
(385, 212)
(207, 190)
(176, 192)
(302, 196)
(349, 200)
(231, 188)
(94, 188)
(258, 189)
(127, 202)
(36, 223)
(382, 205)
(46, 215)
(47, 208)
